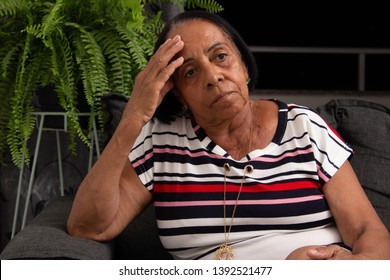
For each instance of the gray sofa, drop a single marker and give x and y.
(361, 118)
(45, 237)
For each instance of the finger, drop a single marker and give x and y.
(160, 81)
(342, 253)
(165, 53)
(167, 72)
(162, 65)
(325, 252)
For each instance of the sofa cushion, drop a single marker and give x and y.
(365, 126)
(45, 237)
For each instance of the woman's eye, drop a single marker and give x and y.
(221, 56)
(190, 73)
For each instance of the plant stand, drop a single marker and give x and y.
(40, 123)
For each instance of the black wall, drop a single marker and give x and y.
(323, 24)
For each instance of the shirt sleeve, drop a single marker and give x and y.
(141, 156)
(330, 150)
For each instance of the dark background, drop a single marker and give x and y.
(325, 24)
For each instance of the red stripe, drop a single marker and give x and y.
(180, 188)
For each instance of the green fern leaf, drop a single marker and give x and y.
(12, 7)
(21, 123)
(9, 60)
(118, 60)
(209, 5)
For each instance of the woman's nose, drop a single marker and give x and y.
(213, 76)
(214, 83)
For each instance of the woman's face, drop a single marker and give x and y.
(213, 78)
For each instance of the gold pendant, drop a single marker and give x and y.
(224, 252)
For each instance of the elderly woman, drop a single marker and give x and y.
(230, 177)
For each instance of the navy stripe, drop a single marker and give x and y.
(204, 196)
(243, 228)
(245, 211)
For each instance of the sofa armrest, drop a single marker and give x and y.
(45, 237)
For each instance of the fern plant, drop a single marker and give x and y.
(100, 44)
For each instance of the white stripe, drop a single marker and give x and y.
(167, 224)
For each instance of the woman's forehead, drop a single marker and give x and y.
(201, 34)
(196, 28)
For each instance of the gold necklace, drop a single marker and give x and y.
(225, 251)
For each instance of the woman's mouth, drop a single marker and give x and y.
(220, 97)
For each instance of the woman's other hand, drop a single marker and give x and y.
(315, 252)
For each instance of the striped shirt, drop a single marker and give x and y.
(281, 206)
